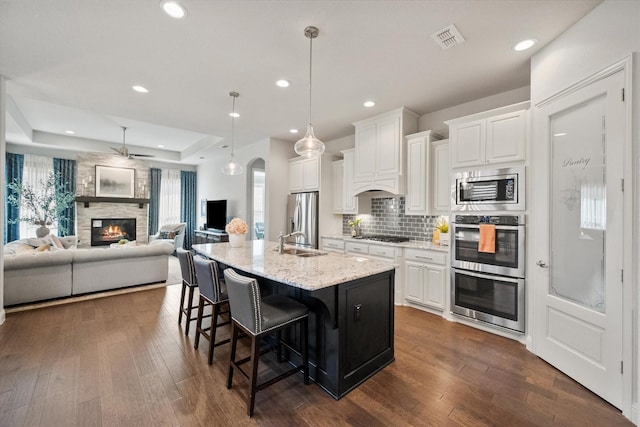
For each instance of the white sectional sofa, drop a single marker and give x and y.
(32, 275)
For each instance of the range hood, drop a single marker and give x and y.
(376, 193)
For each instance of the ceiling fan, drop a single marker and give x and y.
(124, 151)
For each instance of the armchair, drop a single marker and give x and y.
(259, 230)
(172, 233)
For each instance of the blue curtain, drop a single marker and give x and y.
(189, 204)
(65, 170)
(154, 199)
(13, 171)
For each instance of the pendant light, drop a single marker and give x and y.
(232, 167)
(309, 145)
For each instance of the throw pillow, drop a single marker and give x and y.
(167, 234)
(56, 242)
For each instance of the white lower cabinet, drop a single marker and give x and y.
(425, 275)
(384, 253)
(333, 245)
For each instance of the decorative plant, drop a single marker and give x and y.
(42, 204)
(355, 226)
(442, 224)
(236, 226)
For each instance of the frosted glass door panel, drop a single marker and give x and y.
(578, 205)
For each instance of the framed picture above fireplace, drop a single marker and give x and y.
(115, 182)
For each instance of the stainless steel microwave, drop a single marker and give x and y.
(489, 190)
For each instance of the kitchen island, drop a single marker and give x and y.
(350, 302)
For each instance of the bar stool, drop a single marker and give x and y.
(188, 271)
(213, 292)
(257, 317)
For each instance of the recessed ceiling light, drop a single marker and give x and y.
(283, 83)
(140, 89)
(235, 115)
(160, 146)
(174, 9)
(369, 104)
(524, 45)
(70, 132)
(293, 130)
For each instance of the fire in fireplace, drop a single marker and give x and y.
(105, 231)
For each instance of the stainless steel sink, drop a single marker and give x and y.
(302, 252)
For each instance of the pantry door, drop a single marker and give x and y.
(578, 215)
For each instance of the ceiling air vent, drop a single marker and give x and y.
(448, 37)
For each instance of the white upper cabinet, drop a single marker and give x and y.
(304, 174)
(491, 137)
(380, 159)
(440, 174)
(343, 200)
(337, 169)
(420, 173)
(349, 201)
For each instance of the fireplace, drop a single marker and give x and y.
(105, 231)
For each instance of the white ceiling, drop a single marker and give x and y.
(70, 65)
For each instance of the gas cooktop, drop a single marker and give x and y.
(383, 238)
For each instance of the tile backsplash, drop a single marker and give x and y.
(388, 217)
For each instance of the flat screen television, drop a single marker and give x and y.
(216, 214)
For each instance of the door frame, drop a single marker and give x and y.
(538, 243)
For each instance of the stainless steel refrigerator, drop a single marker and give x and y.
(302, 215)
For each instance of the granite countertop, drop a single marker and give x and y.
(261, 258)
(411, 244)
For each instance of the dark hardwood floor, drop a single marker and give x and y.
(124, 361)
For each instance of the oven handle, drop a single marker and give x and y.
(498, 227)
(487, 276)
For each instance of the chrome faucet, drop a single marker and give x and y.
(283, 236)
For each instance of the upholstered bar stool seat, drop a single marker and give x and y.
(189, 282)
(257, 317)
(213, 292)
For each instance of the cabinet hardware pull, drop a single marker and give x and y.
(356, 311)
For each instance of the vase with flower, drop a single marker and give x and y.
(355, 226)
(236, 229)
(441, 233)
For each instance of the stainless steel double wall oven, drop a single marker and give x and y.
(489, 287)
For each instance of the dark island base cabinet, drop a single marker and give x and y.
(350, 330)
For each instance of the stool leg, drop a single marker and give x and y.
(188, 313)
(253, 387)
(184, 288)
(304, 337)
(232, 358)
(214, 326)
(199, 322)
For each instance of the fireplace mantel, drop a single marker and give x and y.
(87, 200)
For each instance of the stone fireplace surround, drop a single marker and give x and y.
(86, 173)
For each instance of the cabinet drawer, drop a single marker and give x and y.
(382, 251)
(431, 257)
(357, 248)
(333, 244)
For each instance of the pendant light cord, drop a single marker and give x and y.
(310, 68)
(233, 119)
